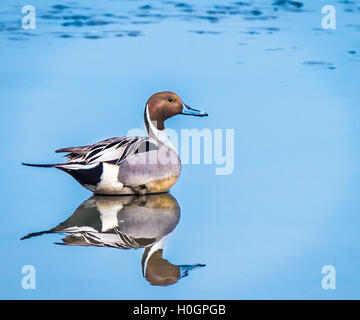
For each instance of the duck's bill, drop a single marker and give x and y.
(193, 112)
(186, 268)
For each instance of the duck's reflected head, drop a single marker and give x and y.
(160, 272)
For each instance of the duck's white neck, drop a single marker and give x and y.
(155, 133)
(157, 246)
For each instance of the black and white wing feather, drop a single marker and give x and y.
(113, 150)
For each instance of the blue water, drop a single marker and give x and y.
(288, 88)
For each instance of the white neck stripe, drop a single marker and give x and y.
(157, 246)
(157, 134)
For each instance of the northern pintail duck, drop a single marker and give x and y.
(131, 165)
(128, 222)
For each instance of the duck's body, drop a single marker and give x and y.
(136, 165)
(123, 166)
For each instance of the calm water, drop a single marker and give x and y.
(288, 88)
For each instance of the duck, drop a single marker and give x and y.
(131, 165)
(128, 222)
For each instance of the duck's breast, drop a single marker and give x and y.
(154, 171)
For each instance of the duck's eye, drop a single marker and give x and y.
(170, 100)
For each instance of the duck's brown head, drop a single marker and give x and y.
(164, 105)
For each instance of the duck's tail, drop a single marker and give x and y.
(39, 165)
(35, 234)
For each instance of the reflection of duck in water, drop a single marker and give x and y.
(126, 222)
